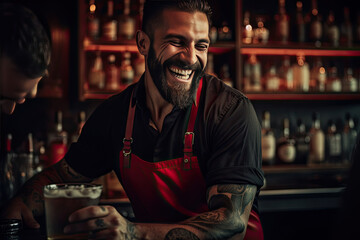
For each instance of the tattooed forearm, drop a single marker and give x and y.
(180, 234)
(229, 207)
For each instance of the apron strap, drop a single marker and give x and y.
(189, 134)
(128, 133)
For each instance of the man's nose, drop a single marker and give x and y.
(189, 55)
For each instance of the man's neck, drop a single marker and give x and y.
(159, 108)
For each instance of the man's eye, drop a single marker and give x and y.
(202, 47)
(175, 43)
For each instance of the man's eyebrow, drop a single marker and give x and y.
(182, 38)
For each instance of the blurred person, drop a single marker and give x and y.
(185, 146)
(24, 55)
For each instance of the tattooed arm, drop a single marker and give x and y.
(29, 201)
(229, 206)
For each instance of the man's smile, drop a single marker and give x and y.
(179, 73)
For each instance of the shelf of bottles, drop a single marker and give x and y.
(297, 54)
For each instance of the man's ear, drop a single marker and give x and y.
(142, 42)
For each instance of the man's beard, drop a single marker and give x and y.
(177, 94)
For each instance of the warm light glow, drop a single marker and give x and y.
(225, 29)
(92, 8)
(314, 12)
(248, 27)
(299, 4)
(322, 70)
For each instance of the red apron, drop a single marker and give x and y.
(171, 190)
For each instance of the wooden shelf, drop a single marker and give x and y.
(303, 96)
(323, 52)
(324, 167)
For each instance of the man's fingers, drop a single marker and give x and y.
(29, 219)
(89, 212)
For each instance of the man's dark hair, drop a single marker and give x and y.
(153, 11)
(24, 40)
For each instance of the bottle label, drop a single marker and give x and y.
(335, 145)
(287, 153)
(109, 30)
(317, 147)
(127, 29)
(93, 28)
(316, 30)
(268, 147)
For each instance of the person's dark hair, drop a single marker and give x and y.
(24, 40)
(153, 10)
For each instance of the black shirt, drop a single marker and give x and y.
(227, 136)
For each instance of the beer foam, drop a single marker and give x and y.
(72, 191)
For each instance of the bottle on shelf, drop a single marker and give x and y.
(268, 141)
(300, 23)
(81, 123)
(112, 74)
(126, 23)
(350, 83)
(8, 172)
(316, 28)
(301, 73)
(349, 135)
(317, 141)
(333, 82)
(282, 23)
(57, 140)
(286, 151)
(346, 30)
(93, 23)
(213, 34)
(126, 70)
(25, 162)
(248, 32)
(272, 80)
(302, 140)
(333, 144)
(252, 74)
(96, 74)
(109, 23)
(261, 33)
(225, 75)
(332, 31)
(317, 76)
(286, 75)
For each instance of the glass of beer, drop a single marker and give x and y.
(61, 200)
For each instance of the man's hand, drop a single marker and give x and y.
(16, 209)
(103, 222)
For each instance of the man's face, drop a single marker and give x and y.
(15, 87)
(178, 55)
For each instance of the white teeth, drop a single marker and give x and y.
(180, 71)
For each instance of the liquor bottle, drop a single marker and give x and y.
(58, 140)
(248, 32)
(213, 34)
(300, 23)
(350, 83)
(349, 135)
(252, 74)
(286, 75)
(272, 80)
(225, 75)
(317, 142)
(126, 70)
(267, 140)
(224, 32)
(333, 144)
(316, 29)
(81, 123)
(126, 23)
(109, 23)
(139, 66)
(332, 31)
(282, 23)
(302, 140)
(8, 171)
(96, 74)
(333, 82)
(93, 23)
(112, 74)
(317, 76)
(25, 162)
(261, 33)
(301, 73)
(286, 151)
(346, 36)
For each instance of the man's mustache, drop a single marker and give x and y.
(183, 65)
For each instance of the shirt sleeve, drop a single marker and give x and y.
(89, 156)
(235, 140)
